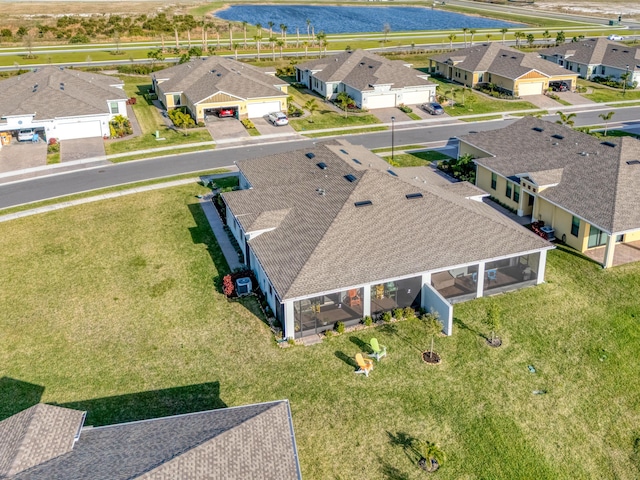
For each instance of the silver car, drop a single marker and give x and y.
(278, 119)
(433, 108)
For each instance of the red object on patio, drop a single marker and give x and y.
(353, 298)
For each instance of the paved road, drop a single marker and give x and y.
(117, 174)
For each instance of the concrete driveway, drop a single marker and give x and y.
(226, 128)
(541, 101)
(20, 155)
(265, 127)
(81, 148)
(574, 98)
(385, 114)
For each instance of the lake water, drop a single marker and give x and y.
(334, 19)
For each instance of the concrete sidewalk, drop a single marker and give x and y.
(218, 230)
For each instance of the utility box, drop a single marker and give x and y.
(243, 286)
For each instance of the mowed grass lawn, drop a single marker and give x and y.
(416, 159)
(122, 296)
(602, 93)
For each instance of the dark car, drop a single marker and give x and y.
(433, 108)
(226, 112)
(559, 86)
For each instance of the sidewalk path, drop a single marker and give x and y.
(222, 238)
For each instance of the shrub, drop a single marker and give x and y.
(181, 119)
(79, 38)
(340, 327)
(201, 124)
(386, 317)
(227, 285)
(404, 108)
(398, 313)
(409, 313)
(248, 123)
(291, 341)
(328, 333)
(367, 320)
(53, 147)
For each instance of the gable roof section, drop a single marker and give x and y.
(598, 51)
(361, 70)
(60, 92)
(499, 60)
(593, 179)
(202, 78)
(325, 242)
(253, 441)
(37, 435)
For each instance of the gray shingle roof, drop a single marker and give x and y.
(202, 78)
(598, 51)
(360, 69)
(36, 435)
(499, 60)
(326, 242)
(59, 93)
(593, 179)
(249, 442)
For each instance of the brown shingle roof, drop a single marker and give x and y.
(326, 242)
(598, 51)
(593, 179)
(59, 93)
(361, 70)
(202, 78)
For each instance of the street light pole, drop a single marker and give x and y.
(393, 121)
(624, 86)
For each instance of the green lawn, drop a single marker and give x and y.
(150, 120)
(325, 118)
(416, 159)
(123, 296)
(603, 94)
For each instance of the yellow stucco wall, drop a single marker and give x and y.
(483, 181)
(632, 237)
(465, 148)
(560, 220)
(501, 82)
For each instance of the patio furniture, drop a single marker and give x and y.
(379, 351)
(492, 275)
(390, 289)
(353, 298)
(442, 280)
(364, 364)
(379, 291)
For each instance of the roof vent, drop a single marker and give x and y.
(310, 155)
(554, 143)
(614, 49)
(213, 71)
(625, 51)
(344, 151)
(218, 74)
(538, 129)
(320, 191)
(608, 144)
(633, 162)
(391, 172)
(559, 137)
(513, 58)
(322, 165)
(350, 177)
(413, 195)
(363, 203)
(361, 63)
(355, 160)
(584, 154)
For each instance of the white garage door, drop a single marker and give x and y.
(416, 98)
(380, 101)
(255, 110)
(67, 131)
(525, 89)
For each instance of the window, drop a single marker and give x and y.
(575, 226)
(619, 238)
(516, 193)
(494, 181)
(602, 69)
(176, 99)
(113, 106)
(508, 191)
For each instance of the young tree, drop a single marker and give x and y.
(433, 326)
(452, 37)
(386, 28)
(493, 320)
(271, 24)
(344, 100)
(464, 31)
(217, 29)
(518, 36)
(272, 42)
(531, 39)
(308, 28)
(244, 30)
(606, 117)
(431, 455)
(503, 31)
(472, 32)
(488, 35)
(305, 44)
(546, 35)
(566, 119)
(560, 37)
(235, 49)
(312, 106)
(155, 56)
(258, 40)
(280, 44)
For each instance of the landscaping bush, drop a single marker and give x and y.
(368, 321)
(181, 119)
(612, 82)
(398, 313)
(120, 126)
(404, 108)
(409, 313)
(462, 168)
(227, 285)
(294, 111)
(53, 147)
(79, 38)
(386, 317)
(340, 327)
(247, 123)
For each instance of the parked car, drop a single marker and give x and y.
(26, 135)
(559, 86)
(433, 108)
(226, 112)
(278, 119)
(615, 37)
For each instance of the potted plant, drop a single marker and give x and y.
(431, 455)
(433, 326)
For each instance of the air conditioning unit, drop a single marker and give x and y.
(243, 286)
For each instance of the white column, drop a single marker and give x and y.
(426, 280)
(608, 253)
(542, 265)
(480, 283)
(289, 320)
(366, 300)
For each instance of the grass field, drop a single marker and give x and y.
(325, 118)
(104, 302)
(416, 159)
(602, 93)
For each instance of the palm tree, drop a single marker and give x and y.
(546, 35)
(488, 35)
(297, 37)
(531, 39)
(280, 44)
(308, 27)
(431, 455)
(272, 41)
(305, 44)
(566, 119)
(271, 24)
(452, 37)
(244, 29)
(258, 39)
(344, 100)
(259, 29)
(386, 28)
(235, 48)
(503, 31)
(320, 37)
(606, 117)
(204, 26)
(472, 32)
(230, 35)
(217, 28)
(518, 36)
(464, 31)
(312, 106)
(283, 32)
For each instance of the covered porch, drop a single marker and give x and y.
(623, 253)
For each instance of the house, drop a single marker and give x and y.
(585, 188)
(205, 86)
(50, 442)
(371, 80)
(61, 103)
(510, 70)
(333, 234)
(596, 57)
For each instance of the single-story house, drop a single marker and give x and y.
(371, 80)
(51, 442)
(512, 71)
(584, 187)
(333, 234)
(207, 85)
(61, 103)
(596, 57)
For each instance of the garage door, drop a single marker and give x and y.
(525, 89)
(66, 131)
(255, 110)
(381, 101)
(415, 98)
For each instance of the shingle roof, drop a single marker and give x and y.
(361, 70)
(36, 435)
(499, 60)
(199, 79)
(327, 242)
(52, 92)
(598, 51)
(594, 180)
(253, 441)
